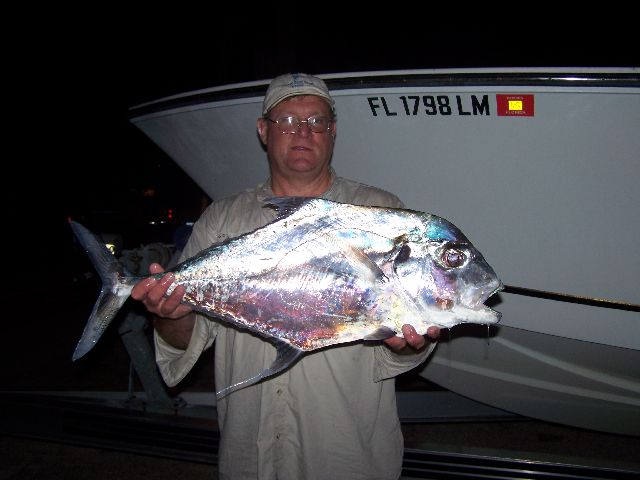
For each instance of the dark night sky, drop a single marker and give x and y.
(79, 154)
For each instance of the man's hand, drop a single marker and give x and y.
(172, 320)
(412, 338)
(152, 293)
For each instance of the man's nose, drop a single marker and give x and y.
(303, 128)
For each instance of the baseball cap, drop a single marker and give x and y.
(292, 84)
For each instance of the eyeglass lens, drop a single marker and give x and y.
(290, 124)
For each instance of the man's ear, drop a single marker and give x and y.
(261, 125)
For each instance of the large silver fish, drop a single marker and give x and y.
(322, 273)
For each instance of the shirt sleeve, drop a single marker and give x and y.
(389, 364)
(174, 363)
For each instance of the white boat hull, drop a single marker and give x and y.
(548, 192)
(551, 378)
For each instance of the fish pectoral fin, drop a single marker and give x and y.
(286, 356)
(361, 264)
(381, 333)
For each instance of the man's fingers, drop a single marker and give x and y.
(158, 291)
(140, 290)
(172, 301)
(414, 339)
(155, 268)
(433, 332)
(396, 343)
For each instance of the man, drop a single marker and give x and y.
(333, 414)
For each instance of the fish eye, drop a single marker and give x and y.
(453, 257)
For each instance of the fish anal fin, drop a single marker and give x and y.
(287, 355)
(381, 333)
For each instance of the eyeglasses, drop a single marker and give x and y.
(291, 124)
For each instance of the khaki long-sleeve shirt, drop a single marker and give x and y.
(332, 415)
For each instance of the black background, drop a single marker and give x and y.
(71, 76)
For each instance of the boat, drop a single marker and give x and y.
(538, 166)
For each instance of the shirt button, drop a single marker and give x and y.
(279, 391)
(277, 436)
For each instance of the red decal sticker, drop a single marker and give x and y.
(515, 105)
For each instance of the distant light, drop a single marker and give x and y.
(111, 247)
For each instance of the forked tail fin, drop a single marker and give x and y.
(115, 290)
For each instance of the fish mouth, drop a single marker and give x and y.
(481, 313)
(471, 310)
(488, 311)
(489, 314)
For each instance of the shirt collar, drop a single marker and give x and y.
(264, 191)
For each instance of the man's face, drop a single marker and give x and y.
(303, 154)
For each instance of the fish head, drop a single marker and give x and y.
(445, 275)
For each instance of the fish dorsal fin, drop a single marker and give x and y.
(285, 206)
(286, 356)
